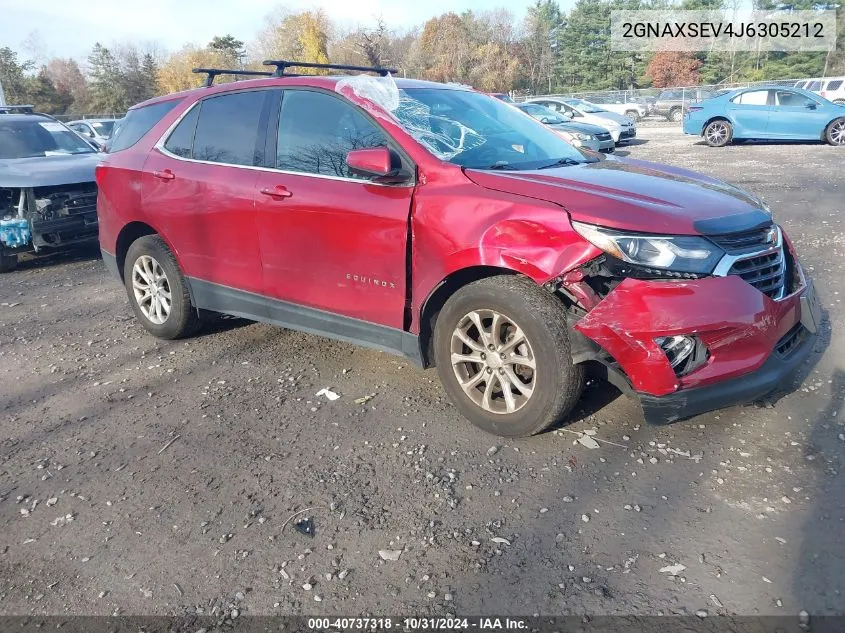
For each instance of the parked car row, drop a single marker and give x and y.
(831, 88)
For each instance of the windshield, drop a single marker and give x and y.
(103, 128)
(476, 131)
(542, 113)
(30, 139)
(585, 107)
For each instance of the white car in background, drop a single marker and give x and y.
(621, 128)
(634, 111)
(96, 130)
(831, 88)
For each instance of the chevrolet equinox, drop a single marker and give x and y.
(444, 225)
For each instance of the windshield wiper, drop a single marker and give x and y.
(503, 165)
(563, 161)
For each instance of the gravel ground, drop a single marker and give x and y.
(148, 477)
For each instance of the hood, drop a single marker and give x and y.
(47, 171)
(621, 119)
(636, 195)
(583, 128)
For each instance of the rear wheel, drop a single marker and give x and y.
(835, 132)
(157, 289)
(8, 261)
(502, 351)
(675, 114)
(718, 133)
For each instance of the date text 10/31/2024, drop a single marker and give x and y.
(418, 623)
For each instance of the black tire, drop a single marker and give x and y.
(675, 115)
(182, 319)
(8, 261)
(557, 383)
(834, 133)
(718, 133)
(634, 115)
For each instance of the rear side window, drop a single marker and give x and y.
(836, 84)
(181, 140)
(754, 97)
(317, 130)
(137, 123)
(227, 129)
(814, 85)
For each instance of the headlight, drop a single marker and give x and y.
(680, 253)
(582, 137)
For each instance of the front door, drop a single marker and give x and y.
(797, 116)
(329, 240)
(750, 113)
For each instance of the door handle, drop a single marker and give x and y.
(278, 192)
(164, 174)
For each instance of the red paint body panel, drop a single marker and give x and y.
(739, 325)
(208, 212)
(335, 245)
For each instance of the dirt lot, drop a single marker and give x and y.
(141, 476)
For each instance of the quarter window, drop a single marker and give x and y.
(137, 123)
(317, 130)
(227, 129)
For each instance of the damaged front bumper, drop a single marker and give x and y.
(753, 342)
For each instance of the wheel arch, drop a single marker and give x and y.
(127, 236)
(716, 117)
(441, 292)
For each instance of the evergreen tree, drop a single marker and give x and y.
(108, 86)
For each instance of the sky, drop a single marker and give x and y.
(69, 28)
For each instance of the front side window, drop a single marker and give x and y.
(789, 98)
(753, 97)
(228, 129)
(31, 138)
(471, 130)
(317, 131)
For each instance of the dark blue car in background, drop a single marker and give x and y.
(766, 112)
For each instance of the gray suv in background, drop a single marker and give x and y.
(673, 102)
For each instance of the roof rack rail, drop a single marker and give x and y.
(22, 109)
(214, 72)
(282, 65)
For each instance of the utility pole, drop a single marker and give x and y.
(2, 96)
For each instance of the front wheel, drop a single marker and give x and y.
(502, 351)
(157, 289)
(634, 115)
(718, 133)
(835, 133)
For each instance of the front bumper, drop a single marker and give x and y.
(628, 134)
(596, 145)
(741, 327)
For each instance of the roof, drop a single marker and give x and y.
(315, 81)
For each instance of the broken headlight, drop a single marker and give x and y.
(681, 253)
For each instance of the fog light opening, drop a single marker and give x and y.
(684, 353)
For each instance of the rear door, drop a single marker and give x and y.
(330, 240)
(795, 115)
(199, 191)
(750, 113)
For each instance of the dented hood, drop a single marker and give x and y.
(48, 171)
(635, 195)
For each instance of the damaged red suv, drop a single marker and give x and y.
(444, 225)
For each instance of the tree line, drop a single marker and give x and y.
(549, 50)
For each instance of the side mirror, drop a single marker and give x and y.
(545, 120)
(378, 163)
(811, 106)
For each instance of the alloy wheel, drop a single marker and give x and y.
(837, 132)
(493, 361)
(717, 133)
(152, 289)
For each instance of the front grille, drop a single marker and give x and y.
(81, 204)
(755, 238)
(791, 340)
(603, 136)
(764, 272)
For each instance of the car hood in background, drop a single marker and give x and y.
(621, 119)
(636, 195)
(46, 171)
(583, 128)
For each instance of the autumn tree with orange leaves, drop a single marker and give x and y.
(670, 68)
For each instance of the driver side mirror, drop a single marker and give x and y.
(545, 120)
(379, 164)
(811, 105)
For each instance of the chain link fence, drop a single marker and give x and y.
(79, 117)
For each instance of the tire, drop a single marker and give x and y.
(718, 133)
(675, 115)
(149, 257)
(8, 261)
(634, 115)
(552, 388)
(834, 134)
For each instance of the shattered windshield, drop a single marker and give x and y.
(32, 138)
(474, 130)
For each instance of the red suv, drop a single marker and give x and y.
(441, 224)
